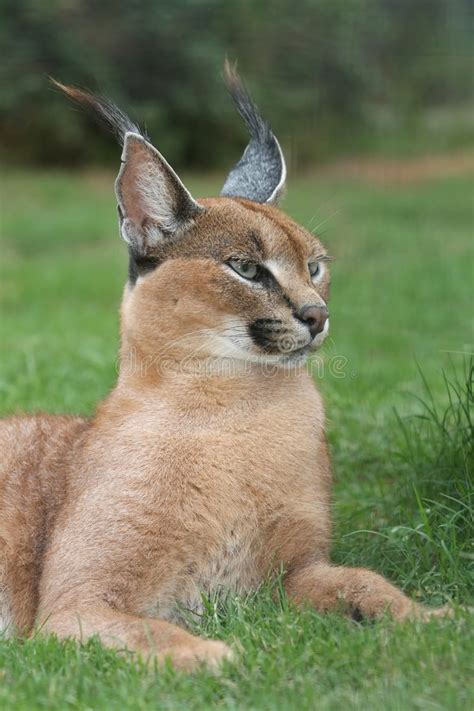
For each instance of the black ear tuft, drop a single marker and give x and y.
(102, 108)
(258, 128)
(261, 172)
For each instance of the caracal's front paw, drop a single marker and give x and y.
(406, 609)
(423, 613)
(199, 653)
(427, 613)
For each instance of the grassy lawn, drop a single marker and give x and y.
(402, 302)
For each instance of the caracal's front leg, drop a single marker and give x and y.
(151, 639)
(356, 591)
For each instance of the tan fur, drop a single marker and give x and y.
(202, 471)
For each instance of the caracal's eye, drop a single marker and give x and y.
(314, 269)
(248, 270)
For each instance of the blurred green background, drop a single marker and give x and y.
(334, 76)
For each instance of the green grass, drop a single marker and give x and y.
(401, 302)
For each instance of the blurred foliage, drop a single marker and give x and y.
(320, 69)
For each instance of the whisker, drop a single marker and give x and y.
(322, 204)
(323, 222)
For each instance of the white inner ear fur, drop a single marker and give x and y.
(156, 198)
(140, 237)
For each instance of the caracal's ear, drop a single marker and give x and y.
(153, 203)
(261, 172)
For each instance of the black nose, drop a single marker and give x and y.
(314, 316)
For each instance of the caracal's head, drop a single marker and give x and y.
(225, 277)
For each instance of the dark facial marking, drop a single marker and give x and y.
(139, 266)
(262, 331)
(272, 284)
